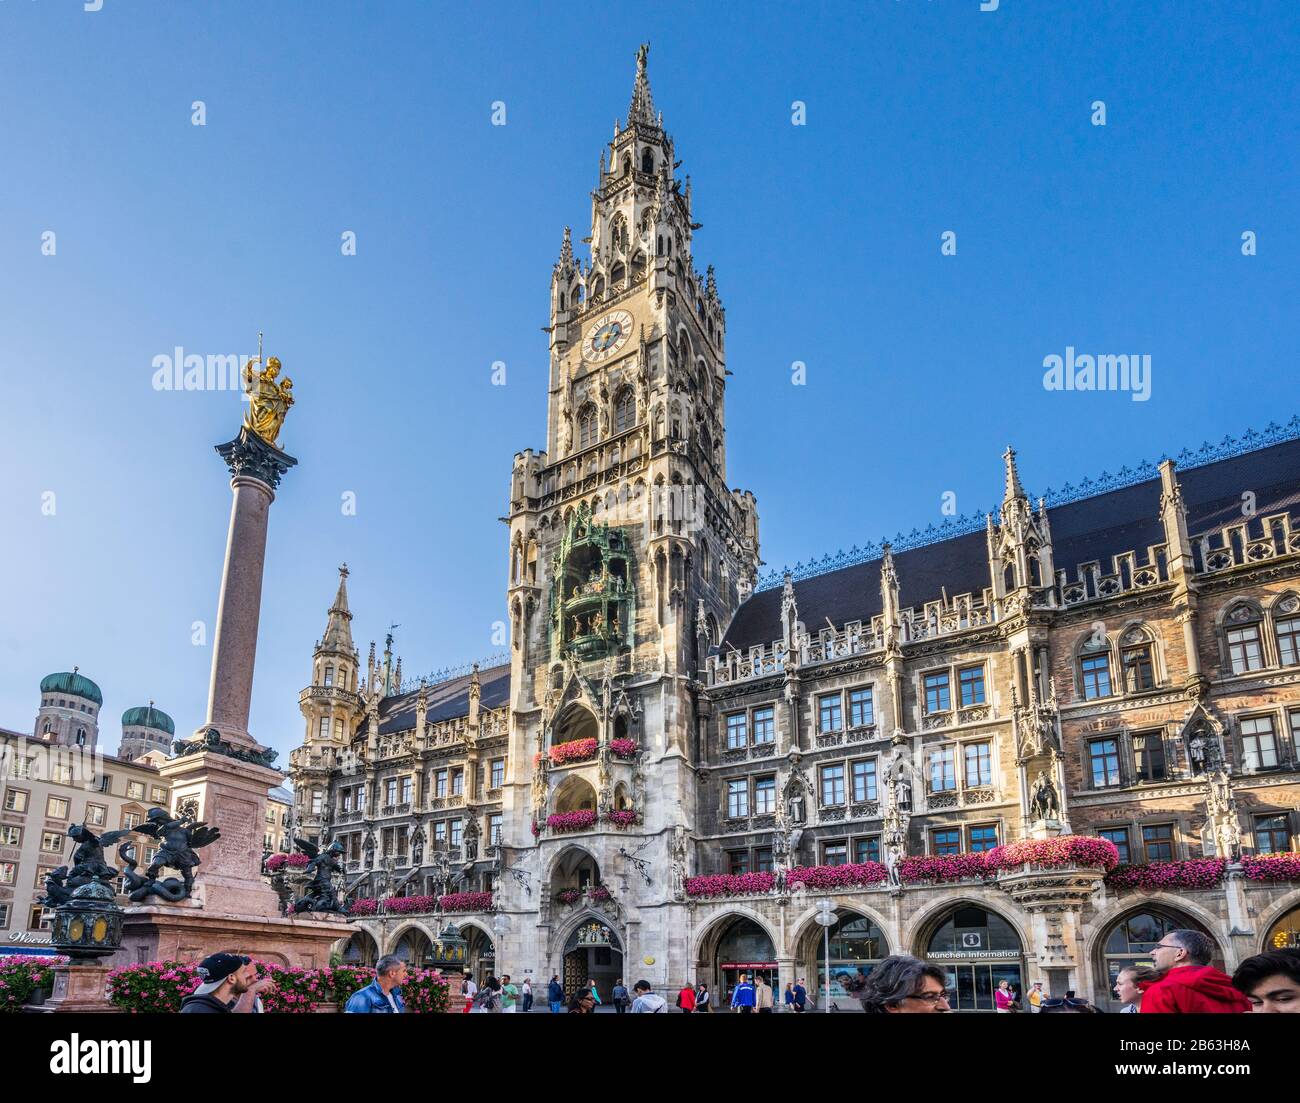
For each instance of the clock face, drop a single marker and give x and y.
(607, 335)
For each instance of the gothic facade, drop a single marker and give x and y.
(677, 762)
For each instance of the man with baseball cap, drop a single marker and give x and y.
(229, 984)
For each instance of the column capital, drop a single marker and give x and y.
(249, 456)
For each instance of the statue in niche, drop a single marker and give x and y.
(679, 869)
(1044, 803)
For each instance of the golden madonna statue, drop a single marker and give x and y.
(268, 399)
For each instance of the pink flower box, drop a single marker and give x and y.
(1271, 867)
(939, 868)
(466, 902)
(365, 906)
(624, 748)
(730, 884)
(571, 821)
(405, 905)
(279, 861)
(575, 750)
(1195, 873)
(622, 819)
(1064, 850)
(837, 877)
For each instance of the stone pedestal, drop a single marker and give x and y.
(78, 988)
(1046, 829)
(231, 796)
(174, 932)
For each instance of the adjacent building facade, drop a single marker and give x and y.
(57, 777)
(678, 761)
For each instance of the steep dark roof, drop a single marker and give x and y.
(1083, 531)
(445, 700)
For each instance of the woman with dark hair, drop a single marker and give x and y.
(1132, 981)
(904, 984)
(582, 1003)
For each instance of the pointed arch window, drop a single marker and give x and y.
(647, 160)
(1286, 625)
(1243, 638)
(624, 410)
(329, 674)
(1137, 658)
(587, 430)
(1094, 669)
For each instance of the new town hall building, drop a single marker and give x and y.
(679, 761)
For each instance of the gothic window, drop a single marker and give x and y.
(943, 770)
(764, 795)
(947, 841)
(1149, 757)
(830, 718)
(1242, 635)
(627, 163)
(329, 674)
(971, 684)
(647, 161)
(598, 288)
(587, 426)
(657, 430)
(618, 238)
(1258, 744)
(1158, 842)
(638, 265)
(938, 697)
(864, 780)
(562, 306)
(1286, 625)
(1118, 836)
(832, 781)
(1009, 575)
(764, 725)
(324, 729)
(617, 275)
(737, 798)
(1103, 762)
(1138, 661)
(1272, 834)
(624, 410)
(979, 765)
(1094, 671)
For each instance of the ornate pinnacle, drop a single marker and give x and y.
(566, 250)
(642, 107)
(1014, 489)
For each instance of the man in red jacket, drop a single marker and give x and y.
(1190, 985)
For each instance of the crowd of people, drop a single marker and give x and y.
(1181, 981)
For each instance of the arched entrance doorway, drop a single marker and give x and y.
(415, 948)
(1285, 933)
(360, 950)
(978, 949)
(480, 953)
(743, 947)
(593, 954)
(1128, 941)
(857, 944)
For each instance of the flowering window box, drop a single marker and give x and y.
(730, 884)
(580, 820)
(623, 818)
(466, 902)
(837, 877)
(1195, 873)
(569, 896)
(944, 868)
(277, 862)
(365, 906)
(1271, 867)
(624, 748)
(1063, 850)
(575, 750)
(406, 905)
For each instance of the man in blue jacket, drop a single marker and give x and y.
(381, 995)
(555, 994)
(742, 996)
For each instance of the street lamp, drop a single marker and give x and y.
(826, 917)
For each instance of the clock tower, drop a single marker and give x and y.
(628, 551)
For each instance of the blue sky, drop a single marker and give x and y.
(922, 117)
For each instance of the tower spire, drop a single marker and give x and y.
(642, 108)
(338, 631)
(1013, 488)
